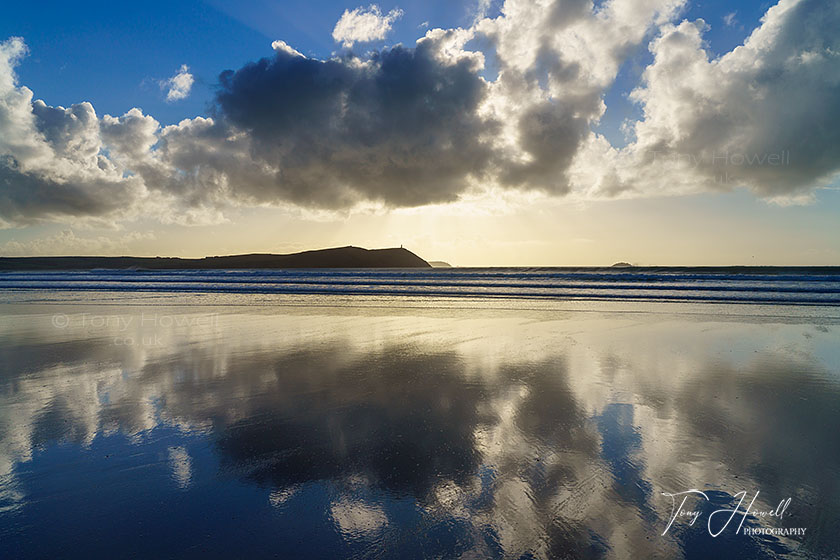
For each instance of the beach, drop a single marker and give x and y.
(175, 424)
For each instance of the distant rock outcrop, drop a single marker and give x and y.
(622, 265)
(340, 257)
(439, 264)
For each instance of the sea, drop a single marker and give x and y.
(782, 285)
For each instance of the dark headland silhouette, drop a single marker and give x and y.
(339, 257)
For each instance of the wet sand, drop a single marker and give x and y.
(328, 427)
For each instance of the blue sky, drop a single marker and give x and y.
(124, 49)
(114, 53)
(514, 154)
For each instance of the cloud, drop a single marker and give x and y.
(282, 46)
(764, 116)
(51, 160)
(481, 10)
(555, 63)
(179, 86)
(729, 19)
(400, 127)
(432, 124)
(66, 242)
(363, 25)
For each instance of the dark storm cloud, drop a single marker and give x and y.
(401, 127)
(551, 134)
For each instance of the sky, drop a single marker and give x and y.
(483, 133)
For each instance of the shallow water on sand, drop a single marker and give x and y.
(326, 428)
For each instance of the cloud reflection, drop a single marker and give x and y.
(552, 450)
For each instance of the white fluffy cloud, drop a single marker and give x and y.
(179, 86)
(408, 127)
(363, 25)
(556, 59)
(283, 46)
(51, 161)
(764, 116)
